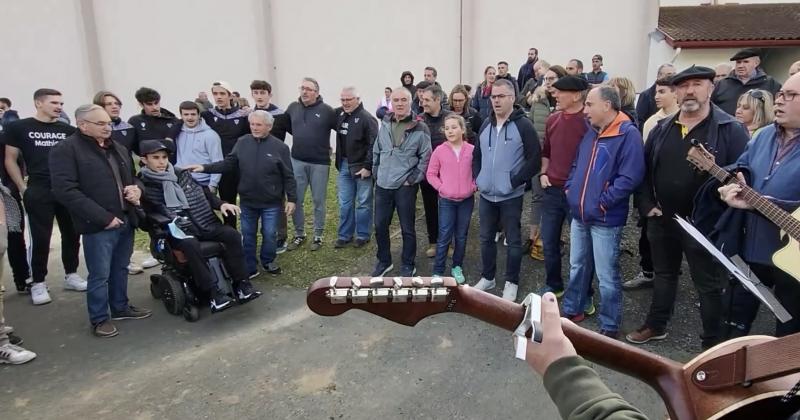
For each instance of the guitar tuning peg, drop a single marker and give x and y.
(356, 283)
(333, 281)
(376, 282)
(417, 282)
(397, 282)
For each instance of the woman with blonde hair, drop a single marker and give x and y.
(627, 96)
(754, 110)
(481, 101)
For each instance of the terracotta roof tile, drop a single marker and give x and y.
(731, 22)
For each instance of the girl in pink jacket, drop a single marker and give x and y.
(450, 173)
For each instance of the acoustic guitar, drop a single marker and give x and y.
(743, 378)
(786, 258)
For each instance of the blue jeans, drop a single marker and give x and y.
(404, 199)
(269, 228)
(358, 217)
(454, 218)
(598, 244)
(107, 254)
(491, 213)
(554, 211)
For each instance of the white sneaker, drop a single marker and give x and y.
(497, 236)
(15, 355)
(150, 263)
(510, 291)
(73, 281)
(484, 284)
(134, 268)
(39, 294)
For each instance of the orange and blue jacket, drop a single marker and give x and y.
(608, 168)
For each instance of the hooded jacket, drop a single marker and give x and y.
(728, 90)
(355, 135)
(265, 168)
(149, 127)
(608, 167)
(411, 87)
(310, 127)
(229, 124)
(393, 166)
(727, 139)
(503, 162)
(83, 182)
(199, 145)
(202, 202)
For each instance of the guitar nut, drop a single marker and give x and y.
(700, 376)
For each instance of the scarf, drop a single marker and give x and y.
(13, 212)
(173, 194)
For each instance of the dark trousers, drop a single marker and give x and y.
(744, 306)
(430, 200)
(18, 251)
(233, 257)
(645, 255)
(42, 208)
(669, 243)
(404, 199)
(491, 213)
(228, 190)
(555, 211)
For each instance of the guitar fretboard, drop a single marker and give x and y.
(770, 210)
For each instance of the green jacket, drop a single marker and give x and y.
(538, 116)
(579, 393)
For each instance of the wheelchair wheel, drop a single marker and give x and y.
(155, 286)
(172, 295)
(191, 313)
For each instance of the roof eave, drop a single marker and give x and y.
(732, 43)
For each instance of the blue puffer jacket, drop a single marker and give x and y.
(608, 168)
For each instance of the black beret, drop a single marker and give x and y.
(746, 53)
(571, 83)
(147, 147)
(694, 72)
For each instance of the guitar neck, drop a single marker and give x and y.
(662, 374)
(770, 210)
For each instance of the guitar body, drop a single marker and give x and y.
(788, 257)
(761, 400)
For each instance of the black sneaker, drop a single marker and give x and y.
(381, 269)
(296, 242)
(408, 271)
(219, 301)
(245, 291)
(23, 289)
(316, 244)
(281, 246)
(360, 243)
(340, 243)
(132, 313)
(15, 339)
(272, 268)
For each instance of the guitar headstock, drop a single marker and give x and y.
(700, 157)
(405, 300)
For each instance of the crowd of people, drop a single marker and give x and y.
(580, 142)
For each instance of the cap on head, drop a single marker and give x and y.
(693, 72)
(746, 53)
(147, 147)
(571, 84)
(223, 84)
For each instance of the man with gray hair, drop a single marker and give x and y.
(721, 71)
(646, 104)
(92, 177)
(598, 195)
(266, 180)
(310, 124)
(356, 130)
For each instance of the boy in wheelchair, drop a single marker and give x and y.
(173, 195)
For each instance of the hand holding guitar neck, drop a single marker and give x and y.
(555, 345)
(732, 193)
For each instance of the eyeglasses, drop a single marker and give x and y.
(101, 123)
(756, 94)
(307, 89)
(501, 96)
(789, 96)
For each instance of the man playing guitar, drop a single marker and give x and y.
(772, 162)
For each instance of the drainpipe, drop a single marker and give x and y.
(91, 46)
(461, 41)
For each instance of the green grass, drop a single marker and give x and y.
(301, 267)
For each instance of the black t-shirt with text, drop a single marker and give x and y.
(34, 139)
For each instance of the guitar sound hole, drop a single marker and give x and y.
(770, 408)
